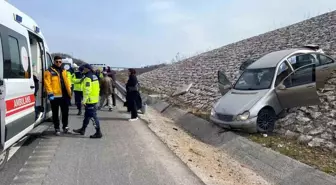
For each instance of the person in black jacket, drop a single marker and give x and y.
(37, 87)
(133, 96)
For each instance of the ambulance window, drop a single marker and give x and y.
(13, 67)
(49, 61)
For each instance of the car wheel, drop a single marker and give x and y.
(266, 120)
(3, 159)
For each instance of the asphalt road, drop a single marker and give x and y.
(129, 153)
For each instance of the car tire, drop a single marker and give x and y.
(266, 120)
(3, 159)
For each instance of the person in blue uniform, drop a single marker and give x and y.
(90, 99)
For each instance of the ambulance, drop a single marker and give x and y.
(67, 63)
(23, 53)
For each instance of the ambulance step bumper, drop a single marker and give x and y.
(40, 128)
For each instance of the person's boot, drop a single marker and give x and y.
(80, 131)
(79, 112)
(97, 135)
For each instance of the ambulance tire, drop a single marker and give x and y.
(3, 159)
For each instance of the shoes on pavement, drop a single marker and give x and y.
(110, 109)
(133, 119)
(57, 132)
(97, 135)
(79, 113)
(65, 130)
(80, 131)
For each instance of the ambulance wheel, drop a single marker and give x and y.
(3, 159)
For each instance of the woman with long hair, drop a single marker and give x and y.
(133, 98)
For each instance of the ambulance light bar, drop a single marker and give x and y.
(36, 29)
(17, 18)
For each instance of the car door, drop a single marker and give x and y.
(19, 116)
(326, 65)
(224, 84)
(298, 88)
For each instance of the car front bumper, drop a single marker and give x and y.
(249, 124)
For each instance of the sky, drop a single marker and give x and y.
(135, 33)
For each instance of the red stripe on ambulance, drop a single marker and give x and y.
(19, 104)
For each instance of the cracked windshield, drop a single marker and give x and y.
(167, 92)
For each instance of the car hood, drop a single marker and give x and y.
(236, 102)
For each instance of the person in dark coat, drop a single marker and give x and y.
(133, 98)
(112, 74)
(37, 87)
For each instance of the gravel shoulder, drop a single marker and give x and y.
(212, 165)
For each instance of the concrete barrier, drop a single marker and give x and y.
(272, 165)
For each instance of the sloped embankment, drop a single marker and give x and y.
(314, 125)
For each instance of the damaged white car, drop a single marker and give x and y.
(271, 84)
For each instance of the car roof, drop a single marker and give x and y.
(273, 58)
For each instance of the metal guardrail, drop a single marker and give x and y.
(121, 91)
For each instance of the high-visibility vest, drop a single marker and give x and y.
(77, 80)
(69, 76)
(91, 89)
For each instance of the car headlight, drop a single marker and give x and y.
(212, 113)
(244, 116)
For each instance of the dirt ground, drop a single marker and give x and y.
(213, 166)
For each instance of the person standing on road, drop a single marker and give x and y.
(37, 87)
(133, 96)
(106, 91)
(78, 89)
(70, 73)
(112, 75)
(58, 88)
(99, 74)
(90, 99)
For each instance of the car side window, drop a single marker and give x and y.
(324, 59)
(49, 61)
(300, 60)
(283, 71)
(302, 76)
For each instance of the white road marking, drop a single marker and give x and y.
(16, 147)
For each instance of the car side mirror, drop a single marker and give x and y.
(281, 87)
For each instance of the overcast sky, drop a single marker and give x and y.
(132, 33)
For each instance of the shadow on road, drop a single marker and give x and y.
(47, 134)
(112, 119)
(30, 140)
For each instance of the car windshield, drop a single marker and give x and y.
(255, 79)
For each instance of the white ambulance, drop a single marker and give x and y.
(23, 53)
(67, 63)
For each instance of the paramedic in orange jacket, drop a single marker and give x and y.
(58, 88)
